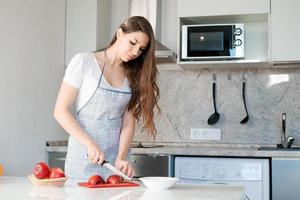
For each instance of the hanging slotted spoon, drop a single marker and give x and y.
(214, 118)
(245, 120)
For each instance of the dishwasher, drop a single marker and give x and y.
(251, 173)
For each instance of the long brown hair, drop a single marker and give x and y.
(142, 73)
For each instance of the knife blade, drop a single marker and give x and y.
(115, 170)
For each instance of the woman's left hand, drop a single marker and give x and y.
(125, 167)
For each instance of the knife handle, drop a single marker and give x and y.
(104, 161)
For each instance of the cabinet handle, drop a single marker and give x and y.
(60, 159)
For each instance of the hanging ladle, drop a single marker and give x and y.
(214, 118)
(244, 121)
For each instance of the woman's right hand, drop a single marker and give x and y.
(95, 155)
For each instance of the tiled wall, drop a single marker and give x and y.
(186, 102)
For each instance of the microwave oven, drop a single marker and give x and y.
(212, 42)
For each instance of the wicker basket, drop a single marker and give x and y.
(58, 182)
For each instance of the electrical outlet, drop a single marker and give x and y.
(205, 134)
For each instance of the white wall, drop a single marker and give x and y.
(81, 27)
(119, 12)
(32, 38)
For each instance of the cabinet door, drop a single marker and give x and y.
(285, 30)
(193, 8)
(285, 178)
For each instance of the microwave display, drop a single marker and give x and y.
(212, 42)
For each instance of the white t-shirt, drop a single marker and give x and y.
(83, 73)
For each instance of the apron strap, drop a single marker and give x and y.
(103, 69)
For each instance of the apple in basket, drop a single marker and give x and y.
(56, 172)
(41, 170)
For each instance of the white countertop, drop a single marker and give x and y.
(22, 188)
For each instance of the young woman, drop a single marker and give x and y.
(111, 90)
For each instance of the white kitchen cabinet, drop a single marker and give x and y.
(87, 26)
(256, 41)
(285, 30)
(196, 8)
(254, 14)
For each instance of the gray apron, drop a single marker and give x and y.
(101, 118)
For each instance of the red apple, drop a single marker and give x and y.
(41, 170)
(114, 179)
(56, 172)
(96, 179)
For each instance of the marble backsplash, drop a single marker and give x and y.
(186, 102)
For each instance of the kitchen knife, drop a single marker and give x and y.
(115, 170)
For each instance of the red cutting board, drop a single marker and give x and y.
(123, 184)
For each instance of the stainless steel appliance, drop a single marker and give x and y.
(57, 159)
(164, 53)
(57, 153)
(251, 173)
(212, 41)
(151, 165)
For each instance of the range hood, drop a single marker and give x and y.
(151, 10)
(163, 54)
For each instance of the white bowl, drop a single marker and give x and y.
(158, 182)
